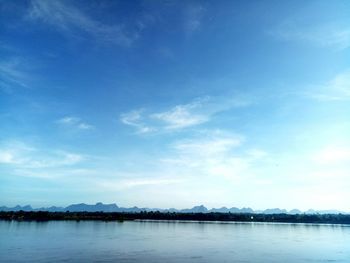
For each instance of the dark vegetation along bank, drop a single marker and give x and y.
(247, 217)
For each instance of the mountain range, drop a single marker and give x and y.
(100, 207)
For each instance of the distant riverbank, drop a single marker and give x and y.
(247, 217)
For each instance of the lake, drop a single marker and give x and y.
(149, 241)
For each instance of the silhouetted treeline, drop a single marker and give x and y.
(248, 217)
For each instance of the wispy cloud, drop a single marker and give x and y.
(14, 152)
(324, 35)
(7, 157)
(217, 153)
(193, 15)
(337, 89)
(74, 122)
(70, 19)
(182, 116)
(123, 184)
(12, 74)
(209, 156)
(135, 119)
(23, 156)
(197, 112)
(212, 145)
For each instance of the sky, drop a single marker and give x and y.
(175, 103)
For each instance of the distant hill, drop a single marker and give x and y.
(92, 208)
(100, 207)
(275, 211)
(196, 209)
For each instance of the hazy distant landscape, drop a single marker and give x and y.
(111, 212)
(100, 207)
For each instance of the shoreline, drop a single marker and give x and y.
(41, 216)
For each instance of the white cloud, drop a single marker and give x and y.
(131, 118)
(216, 154)
(85, 126)
(186, 166)
(14, 152)
(74, 122)
(199, 111)
(135, 118)
(68, 158)
(325, 35)
(178, 117)
(37, 160)
(208, 146)
(337, 89)
(23, 156)
(12, 74)
(182, 116)
(70, 19)
(341, 84)
(68, 120)
(6, 157)
(122, 184)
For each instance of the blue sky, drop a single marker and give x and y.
(175, 103)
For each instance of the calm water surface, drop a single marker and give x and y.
(86, 241)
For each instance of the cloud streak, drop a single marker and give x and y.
(124, 184)
(22, 156)
(70, 19)
(315, 26)
(74, 122)
(217, 154)
(336, 89)
(12, 74)
(179, 117)
(182, 116)
(135, 119)
(324, 36)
